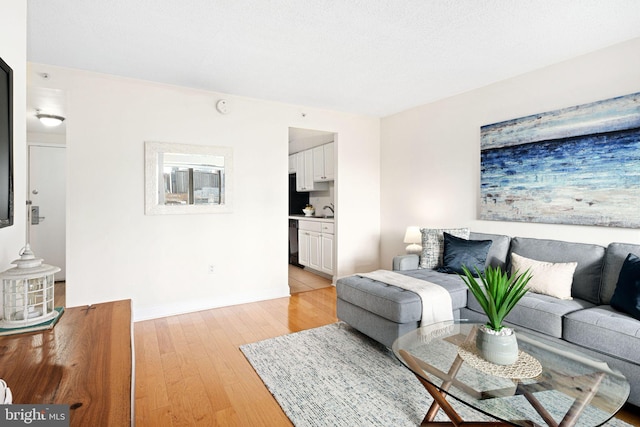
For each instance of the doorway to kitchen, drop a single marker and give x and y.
(312, 209)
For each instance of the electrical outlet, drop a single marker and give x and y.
(211, 269)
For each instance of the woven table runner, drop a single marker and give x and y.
(526, 366)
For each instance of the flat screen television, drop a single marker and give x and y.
(6, 145)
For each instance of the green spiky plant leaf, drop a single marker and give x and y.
(499, 292)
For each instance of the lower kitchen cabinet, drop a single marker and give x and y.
(315, 245)
(326, 247)
(309, 249)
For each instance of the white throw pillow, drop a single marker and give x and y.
(547, 278)
(433, 244)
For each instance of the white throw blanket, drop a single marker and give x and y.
(436, 301)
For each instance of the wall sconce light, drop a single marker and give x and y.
(49, 120)
(413, 236)
(28, 292)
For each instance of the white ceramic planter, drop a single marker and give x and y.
(500, 349)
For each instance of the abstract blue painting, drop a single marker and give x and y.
(577, 165)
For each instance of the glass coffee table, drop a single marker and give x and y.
(551, 384)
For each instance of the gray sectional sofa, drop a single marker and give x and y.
(586, 322)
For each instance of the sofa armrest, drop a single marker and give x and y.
(406, 262)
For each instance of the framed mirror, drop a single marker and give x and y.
(184, 179)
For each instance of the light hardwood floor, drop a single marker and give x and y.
(190, 371)
(301, 280)
(60, 294)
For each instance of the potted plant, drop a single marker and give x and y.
(497, 296)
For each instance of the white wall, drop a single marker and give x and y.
(13, 50)
(114, 251)
(430, 168)
(46, 138)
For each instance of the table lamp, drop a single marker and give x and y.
(413, 236)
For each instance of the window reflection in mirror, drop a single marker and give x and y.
(192, 179)
(181, 178)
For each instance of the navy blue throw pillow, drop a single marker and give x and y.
(459, 252)
(626, 297)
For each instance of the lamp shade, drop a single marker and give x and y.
(413, 235)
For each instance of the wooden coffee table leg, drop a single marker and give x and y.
(440, 402)
(581, 403)
(453, 371)
(588, 384)
(444, 387)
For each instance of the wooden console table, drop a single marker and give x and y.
(85, 362)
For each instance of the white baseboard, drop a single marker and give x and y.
(176, 308)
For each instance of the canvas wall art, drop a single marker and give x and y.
(577, 165)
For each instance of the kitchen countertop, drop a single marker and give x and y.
(312, 218)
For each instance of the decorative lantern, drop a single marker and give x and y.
(27, 292)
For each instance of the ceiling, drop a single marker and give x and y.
(372, 57)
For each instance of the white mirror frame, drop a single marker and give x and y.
(152, 150)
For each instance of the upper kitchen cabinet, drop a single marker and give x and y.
(305, 173)
(323, 169)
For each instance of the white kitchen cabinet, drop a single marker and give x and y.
(309, 242)
(304, 173)
(315, 250)
(303, 247)
(323, 167)
(326, 247)
(292, 163)
(315, 243)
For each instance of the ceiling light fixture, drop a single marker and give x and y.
(49, 119)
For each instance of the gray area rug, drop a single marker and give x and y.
(335, 376)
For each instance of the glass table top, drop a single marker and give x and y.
(573, 388)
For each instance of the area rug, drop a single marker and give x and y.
(335, 376)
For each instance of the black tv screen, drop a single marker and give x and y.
(6, 145)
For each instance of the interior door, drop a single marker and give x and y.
(47, 192)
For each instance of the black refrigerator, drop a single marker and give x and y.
(297, 202)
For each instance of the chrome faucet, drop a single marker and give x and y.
(330, 207)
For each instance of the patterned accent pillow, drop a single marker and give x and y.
(433, 244)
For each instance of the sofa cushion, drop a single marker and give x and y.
(548, 278)
(626, 297)
(541, 313)
(499, 250)
(586, 279)
(463, 252)
(396, 304)
(613, 260)
(433, 244)
(606, 330)
(380, 329)
(390, 302)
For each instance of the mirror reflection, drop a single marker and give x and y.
(189, 179)
(181, 178)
